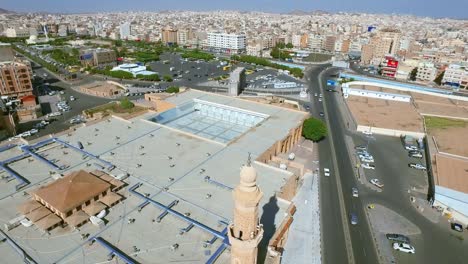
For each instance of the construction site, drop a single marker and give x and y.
(156, 188)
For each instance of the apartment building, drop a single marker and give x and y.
(125, 30)
(169, 36)
(226, 43)
(316, 42)
(17, 32)
(254, 49)
(386, 42)
(329, 43)
(184, 36)
(455, 75)
(15, 79)
(426, 71)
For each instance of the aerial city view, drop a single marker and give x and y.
(242, 132)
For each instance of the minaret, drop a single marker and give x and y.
(246, 232)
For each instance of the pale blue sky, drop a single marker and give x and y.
(447, 8)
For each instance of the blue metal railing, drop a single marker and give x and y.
(114, 250)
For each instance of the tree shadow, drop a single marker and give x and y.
(270, 210)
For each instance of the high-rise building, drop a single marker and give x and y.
(15, 79)
(329, 43)
(169, 35)
(184, 36)
(245, 233)
(125, 30)
(226, 43)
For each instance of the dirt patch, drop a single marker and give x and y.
(452, 140)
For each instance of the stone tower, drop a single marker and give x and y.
(246, 232)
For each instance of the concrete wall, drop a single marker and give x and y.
(374, 94)
(389, 132)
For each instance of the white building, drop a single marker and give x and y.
(125, 31)
(454, 75)
(17, 32)
(134, 69)
(296, 41)
(254, 49)
(426, 71)
(227, 43)
(316, 42)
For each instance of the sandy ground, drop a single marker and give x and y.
(454, 172)
(385, 114)
(452, 140)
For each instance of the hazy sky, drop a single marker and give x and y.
(445, 8)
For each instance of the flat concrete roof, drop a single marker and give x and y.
(159, 157)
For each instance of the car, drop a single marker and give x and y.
(353, 218)
(320, 99)
(355, 192)
(398, 238)
(33, 131)
(417, 166)
(25, 134)
(361, 147)
(404, 247)
(367, 133)
(368, 166)
(307, 107)
(72, 98)
(321, 114)
(457, 227)
(62, 92)
(377, 183)
(316, 94)
(367, 159)
(416, 155)
(320, 95)
(326, 172)
(411, 147)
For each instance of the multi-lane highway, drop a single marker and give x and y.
(341, 241)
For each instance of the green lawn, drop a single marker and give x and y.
(433, 122)
(317, 57)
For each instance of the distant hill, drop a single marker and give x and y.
(4, 11)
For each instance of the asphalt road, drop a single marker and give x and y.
(333, 233)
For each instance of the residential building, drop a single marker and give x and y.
(226, 43)
(316, 42)
(329, 43)
(254, 49)
(169, 36)
(183, 36)
(15, 79)
(426, 71)
(454, 74)
(17, 32)
(125, 30)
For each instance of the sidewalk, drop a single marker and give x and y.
(304, 240)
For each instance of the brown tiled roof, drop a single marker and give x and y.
(110, 198)
(48, 221)
(29, 206)
(72, 190)
(38, 214)
(77, 218)
(94, 208)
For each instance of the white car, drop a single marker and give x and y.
(326, 172)
(409, 147)
(377, 183)
(33, 131)
(417, 166)
(367, 159)
(320, 99)
(72, 98)
(404, 247)
(368, 166)
(367, 133)
(355, 192)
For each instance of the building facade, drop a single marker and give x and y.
(226, 43)
(169, 36)
(97, 57)
(454, 74)
(426, 72)
(15, 79)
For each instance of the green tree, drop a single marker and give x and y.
(120, 74)
(126, 104)
(314, 129)
(167, 78)
(413, 74)
(172, 89)
(439, 78)
(289, 45)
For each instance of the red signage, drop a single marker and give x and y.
(392, 63)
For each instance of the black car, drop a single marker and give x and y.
(398, 238)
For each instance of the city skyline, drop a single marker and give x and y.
(363, 6)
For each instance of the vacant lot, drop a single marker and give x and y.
(450, 134)
(317, 57)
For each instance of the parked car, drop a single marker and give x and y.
(416, 155)
(368, 166)
(361, 147)
(367, 133)
(72, 98)
(404, 247)
(377, 183)
(457, 227)
(355, 192)
(320, 99)
(326, 172)
(353, 219)
(417, 166)
(411, 147)
(398, 238)
(321, 114)
(367, 159)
